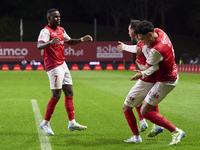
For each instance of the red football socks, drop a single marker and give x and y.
(69, 106)
(139, 114)
(156, 108)
(50, 108)
(130, 117)
(158, 119)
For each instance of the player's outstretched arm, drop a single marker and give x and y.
(125, 47)
(120, 46)
(78, 41)
(86, 38)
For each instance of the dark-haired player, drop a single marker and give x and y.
(51, 39)
(161, 62)
(138, 92)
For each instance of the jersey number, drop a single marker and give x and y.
(56, 77)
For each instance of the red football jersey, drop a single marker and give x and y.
(164, 51)
(54, 54)
(142, 59)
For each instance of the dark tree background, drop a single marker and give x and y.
(180, 19)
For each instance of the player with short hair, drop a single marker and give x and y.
(51, 39)
(138, 92)
(161, 62)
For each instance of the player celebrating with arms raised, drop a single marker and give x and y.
(52, 38)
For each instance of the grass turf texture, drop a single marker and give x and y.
(98, 100)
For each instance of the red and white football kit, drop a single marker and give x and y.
(139, 91)
(162, 55)
(54, 57)
(141, 88)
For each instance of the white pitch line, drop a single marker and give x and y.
(44, 140)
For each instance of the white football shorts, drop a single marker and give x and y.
(138, 93)
(59, 76)
(159, 91)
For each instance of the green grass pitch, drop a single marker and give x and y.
(98, 100)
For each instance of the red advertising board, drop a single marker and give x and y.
(87, 51)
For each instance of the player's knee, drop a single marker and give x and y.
(56, 94)
(145, 110)
(142, 112)
(123, 107)
(69, 93)
(68, 90)
(126, 108)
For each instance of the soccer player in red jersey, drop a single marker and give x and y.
(138, 92)
(51, 39)
(161, 62)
